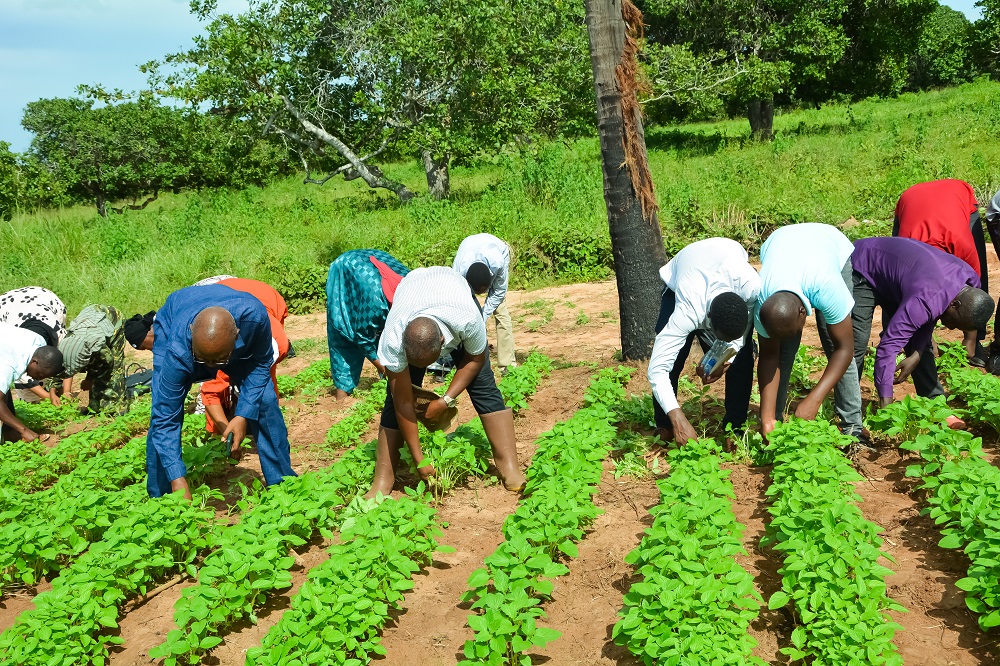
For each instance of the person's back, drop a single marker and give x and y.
(938, 213)
(900, 269)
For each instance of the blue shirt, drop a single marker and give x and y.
(174, 367)
(807, 260)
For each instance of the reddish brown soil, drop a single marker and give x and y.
(430, 629)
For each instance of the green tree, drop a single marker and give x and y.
(945, 50)
(8, 182)
(125, 152)
(774, 46)
(343, 83)
(987, 42)
(883, 36)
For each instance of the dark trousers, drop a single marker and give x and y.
(925, 375)
(483, 391)
(739, 377)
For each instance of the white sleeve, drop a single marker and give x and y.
(274, 351)
(666, 346)
(474, 336)
(498, 292)
(7, 376)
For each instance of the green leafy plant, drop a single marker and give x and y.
(831, 573)
(311, 381)
(694, 603)
(349, 430)
(521, 382)
(556, 509)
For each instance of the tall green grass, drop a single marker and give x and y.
(825, 165)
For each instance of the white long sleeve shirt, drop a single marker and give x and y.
(16, 350)
(696, 275)
(493, 252)
(443, 295)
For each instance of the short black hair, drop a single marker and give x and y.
(479, 277)
(422, 340)
(976, 308)
(49, 360)
(729, 315)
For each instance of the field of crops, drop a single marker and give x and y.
(618, 552)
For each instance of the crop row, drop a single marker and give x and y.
(41, 468)
(521, 382)
(556, 509)
(349, 430)
(41, 533)
(831, 573)
(67, 625)
(311, 381)
(251, 557)
(963, 490)
(250, 560)
(337, 616)
(43, 414)
(694, 603)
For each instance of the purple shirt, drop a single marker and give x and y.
(914, 283)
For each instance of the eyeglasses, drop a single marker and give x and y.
(214, 364)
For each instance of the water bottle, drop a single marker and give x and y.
(720, 352)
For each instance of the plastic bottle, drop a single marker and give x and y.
(720, 352)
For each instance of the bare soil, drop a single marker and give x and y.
(578, 326)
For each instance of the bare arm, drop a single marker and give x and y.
(10, 419)
(406, 415)
(768, 379)
(842, 334)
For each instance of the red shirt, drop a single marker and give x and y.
(937, 213)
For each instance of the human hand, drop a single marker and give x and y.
(427, 472)
(766, 426)
(28, 435)
(86, 384)
(235, 450)
(683, 430)
(715, 374)
(808, 409)
(237, 428)
(906, 367)
(435, 409)
(54, 397)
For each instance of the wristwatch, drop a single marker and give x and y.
(448, 400)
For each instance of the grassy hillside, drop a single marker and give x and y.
(825, 165)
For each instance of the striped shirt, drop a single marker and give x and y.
(490, 250)
(443, 295)
(19, 345)
(87, 334)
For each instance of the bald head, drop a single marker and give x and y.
(422, 341)
(783, 315)
(213, 336)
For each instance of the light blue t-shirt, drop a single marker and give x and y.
(807, 260)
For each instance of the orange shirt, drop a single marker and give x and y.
(937, 213)
(216, 391)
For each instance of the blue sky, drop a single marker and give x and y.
(48, 47)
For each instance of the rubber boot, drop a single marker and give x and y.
(386, 461)
(499, 428)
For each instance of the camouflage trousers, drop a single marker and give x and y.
(106, 371)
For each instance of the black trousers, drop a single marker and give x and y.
(925, 375)
(739, 377)
(483, 391)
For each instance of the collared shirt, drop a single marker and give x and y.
(18, 347)
(493, 252)
(808, 260)
(86, 335)
(175, 369)
(696, 275)
(913, 282)
(937, 213)
(442, 294)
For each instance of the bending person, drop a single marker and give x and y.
(434, 313)
(41, 311)
(915, 285)
(710, 292)
(218, 395)
(359, 291)
(199, 331)
(945, 214)
(484, 260)
(95, 344)
(22, 352)
(806, 267)
(139, 331)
